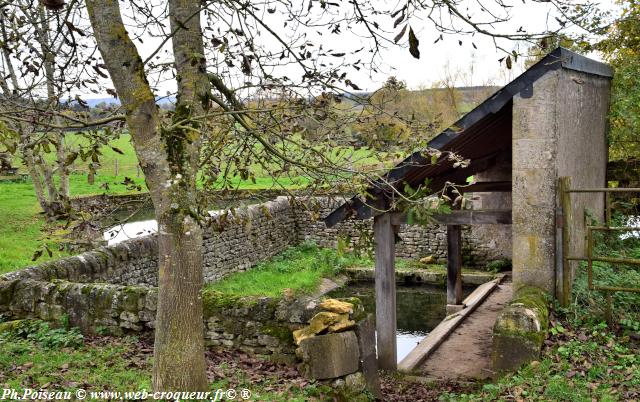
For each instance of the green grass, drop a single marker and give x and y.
(22, 226)
(26, 363)
(584, 363)
(22, 222)
(29, 360)
(299, 269)
(127, 161)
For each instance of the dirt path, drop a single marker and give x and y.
(466, 353)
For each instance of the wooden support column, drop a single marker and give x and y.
(385, 292)
(454, 264)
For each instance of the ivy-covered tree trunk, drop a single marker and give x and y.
(169, 159)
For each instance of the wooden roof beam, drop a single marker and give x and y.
(466, 217)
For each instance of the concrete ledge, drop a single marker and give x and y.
(520, 329)
(435, 338)
(420, 276)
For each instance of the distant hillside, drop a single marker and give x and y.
(470, 95)
(93, 102)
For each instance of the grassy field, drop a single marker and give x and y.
(22, 222)
(113, 163)
(21, 226)
(299, 269)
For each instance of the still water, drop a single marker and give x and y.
(419, 309)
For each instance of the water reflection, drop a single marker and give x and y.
(419, 309)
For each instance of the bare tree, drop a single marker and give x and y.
(39, 70)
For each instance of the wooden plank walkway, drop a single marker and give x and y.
(466, 353)
(439, 334)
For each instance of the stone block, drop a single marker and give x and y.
(351, 388)
(268, 340)
(454, 308)
(129, 316)
(330, 356)
(336, 306)
(520, 329)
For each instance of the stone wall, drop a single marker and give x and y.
(479, 242)
(238, 241)
(132, 262)
(257, 325)
(112, 288)
(232, 242)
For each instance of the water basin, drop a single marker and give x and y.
(419, 309)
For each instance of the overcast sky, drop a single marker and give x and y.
(470, 66)
(476, 66)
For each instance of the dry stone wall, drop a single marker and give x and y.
(113, 288)
(257, 325)
(416, 241)
(238, 241)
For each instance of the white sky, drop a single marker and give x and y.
(473, 67)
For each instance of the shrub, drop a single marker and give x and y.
(500, 265)
(47, 337)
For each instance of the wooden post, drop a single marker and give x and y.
(385, 292)
(454, 264)
(564, 270)
(115, 167)
(138, 171)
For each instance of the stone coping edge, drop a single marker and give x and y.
(420, 276)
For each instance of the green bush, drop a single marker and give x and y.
(49, 338)
(500, 265)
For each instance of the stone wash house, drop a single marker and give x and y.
(548, 123)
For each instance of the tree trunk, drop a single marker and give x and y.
(169, 161)
(179, 337)
(180, 280)
(55, 200)
(27, 157)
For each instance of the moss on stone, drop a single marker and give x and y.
(280, 332)
(6, 291)
(214, 301)
(86, 289)
(531, 297)
(11, 326)
(131, 297)
(359, 313)
(520, 329)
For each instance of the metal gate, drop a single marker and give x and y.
(565, 216)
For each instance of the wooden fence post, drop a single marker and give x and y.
(564, 217)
